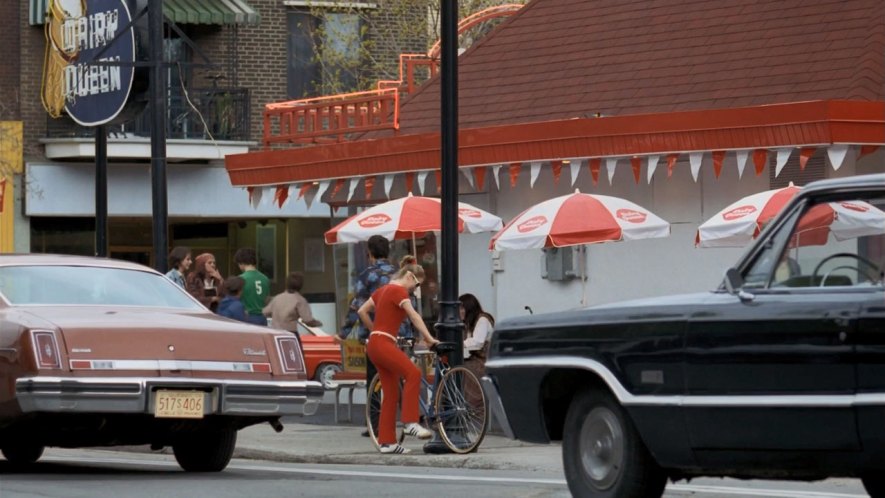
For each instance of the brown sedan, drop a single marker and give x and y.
(97, 352)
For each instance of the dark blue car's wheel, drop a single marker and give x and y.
(22, 454)
(875, 485)
(602, 453)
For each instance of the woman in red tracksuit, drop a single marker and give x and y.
(391, 305)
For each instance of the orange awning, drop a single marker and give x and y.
(797, 124)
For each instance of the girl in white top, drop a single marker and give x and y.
(479, 326)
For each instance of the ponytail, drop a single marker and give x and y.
(413, 268)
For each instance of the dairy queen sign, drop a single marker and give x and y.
(90, 71)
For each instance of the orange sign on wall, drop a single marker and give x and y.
(10, 165)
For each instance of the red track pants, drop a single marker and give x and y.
(394, 365)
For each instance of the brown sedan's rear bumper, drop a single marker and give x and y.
(136, 395)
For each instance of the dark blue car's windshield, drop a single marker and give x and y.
(90, 285)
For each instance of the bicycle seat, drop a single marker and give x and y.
(446, 347)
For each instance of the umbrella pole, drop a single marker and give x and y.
(417, 289)
(583, 263)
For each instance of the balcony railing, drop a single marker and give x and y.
(212, 113)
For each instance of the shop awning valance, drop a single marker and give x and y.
(790, 125)
(181, 12)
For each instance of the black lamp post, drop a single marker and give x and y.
(449, 328)
(158, 136)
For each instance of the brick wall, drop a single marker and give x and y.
(32, 113)
(9, 85)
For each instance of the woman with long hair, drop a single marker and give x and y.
(478, 325)
(205, 282)
(391, 304)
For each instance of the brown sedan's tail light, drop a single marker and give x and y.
(46, 349)
(290, 354)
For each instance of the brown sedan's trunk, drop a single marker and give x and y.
(167, 344)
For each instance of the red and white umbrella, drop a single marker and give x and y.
(843, 219)
(742, 221)
(406, 218)
(577, 219)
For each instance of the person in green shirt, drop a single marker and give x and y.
(257, 286)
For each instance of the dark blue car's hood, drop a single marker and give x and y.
(664, 307)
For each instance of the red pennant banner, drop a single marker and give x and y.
(410, 181)
(280, 195)
(339, 184)
(250, 191)
(671, 163)
(438, 175)
(760, 159)
(804, 155)
(479, 174)
(514, 173)
(595, 164)
(370, 184)
(866, 149)
(304, 188)
(636, 164)
(718, 157)
(556, 166)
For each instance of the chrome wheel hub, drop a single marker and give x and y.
(602, 447)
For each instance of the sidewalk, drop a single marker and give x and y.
(317, 439)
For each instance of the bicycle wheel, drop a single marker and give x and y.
(373, 411)
(461, 409)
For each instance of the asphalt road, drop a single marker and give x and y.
(93, 473)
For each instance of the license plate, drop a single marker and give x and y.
(178, 404)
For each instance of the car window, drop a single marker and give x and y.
(759, 274)
(835, 243)
(85, 285)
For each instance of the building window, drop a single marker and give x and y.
(324, 52)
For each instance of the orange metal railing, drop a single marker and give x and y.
(332, 118)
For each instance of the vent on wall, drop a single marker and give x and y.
(815, 170)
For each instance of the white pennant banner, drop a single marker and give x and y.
(310, 195)
(495, 170)
(353, 183)
(468, 173)
(324, 185)
(652, 166)
(257, 192)
(388, 182)
(783, 155)
(695, 158)
(837, 154)
(574, 168)
(535, 169)
(741, 157)
(611, 163)
(422, 178)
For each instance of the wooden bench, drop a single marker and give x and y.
(347, 381)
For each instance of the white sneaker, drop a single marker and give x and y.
(415, 429)
(394, 448)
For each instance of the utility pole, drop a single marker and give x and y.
(449, 328)
(157, 102)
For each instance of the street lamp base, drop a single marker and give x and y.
(436, 446)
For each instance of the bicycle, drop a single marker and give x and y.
(454, 403)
